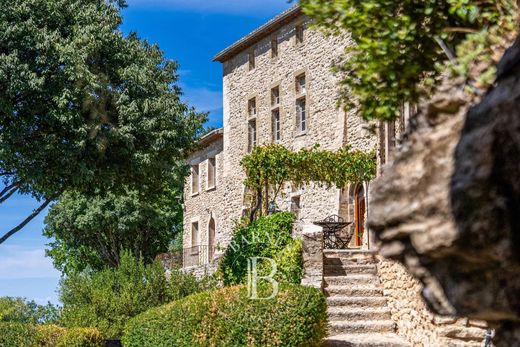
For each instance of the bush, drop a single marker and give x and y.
(14, 334)
(81, 337)
(108, 298)
(17, 334)
(227, 317)
(269, 237)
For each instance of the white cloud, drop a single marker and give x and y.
(18, 262)
(203, 99)
(252, 7)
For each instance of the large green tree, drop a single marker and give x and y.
(403, 47)
(89, 232)
(84, 108)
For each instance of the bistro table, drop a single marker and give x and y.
(333, 237)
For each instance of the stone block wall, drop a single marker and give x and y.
(415, 322)
(327, 125)
(207, 203)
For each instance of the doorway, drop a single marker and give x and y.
(359, 214)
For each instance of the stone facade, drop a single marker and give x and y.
(203, 208)
(326, 125)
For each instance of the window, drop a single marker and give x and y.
(295, 205)
(211, 239)
(274, 47)
(275, 96)
(194, 180)
(251, 143)
(299, 33)
(301, 87)
(301, 115)
(276, 131)
(251, 107)
(251, 60)
(212, 173)
(194, 234)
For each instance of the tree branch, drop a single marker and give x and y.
(28, 219)
(9, 187)
(8, 195)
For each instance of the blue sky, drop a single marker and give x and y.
(188, 31)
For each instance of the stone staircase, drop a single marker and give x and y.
(357, 310)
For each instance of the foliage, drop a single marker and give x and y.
(266, 237)
(81, 337)
(227, 317)
(83, 107)
(21, 311)
(31, 335)
(289, 262)
(89, 232)
(17, 334)
(397, 44)
(108, 298)
(268, 167)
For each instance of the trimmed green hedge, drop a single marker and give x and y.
(227, 317)
(30, 335)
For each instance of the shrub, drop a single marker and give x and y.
(108, 298)
(227, 317)
(13, 334)
(81, 337)
(17, 334)
(266, 237)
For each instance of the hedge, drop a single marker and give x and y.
(30, 335)
(227, 317)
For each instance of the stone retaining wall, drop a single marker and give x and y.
(414, 321)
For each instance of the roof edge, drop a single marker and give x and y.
(272, 25)
(211, 136)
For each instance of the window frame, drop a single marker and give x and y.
(276, 126)
(299, 33)
(195, 232)
(251, 57)
(274, 47)
(252, 106)
(213, 170)
(195, 169)
(301, 122)
(252, 136)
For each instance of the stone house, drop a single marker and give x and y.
(279, 88)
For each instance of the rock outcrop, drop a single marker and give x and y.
(448, 207)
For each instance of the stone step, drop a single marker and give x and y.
(337, 269)
(377, 326)
(366, 340)
(349, 254)
(339, 313)
(331, 260)
(362, 290)
(351, 279)
(356, 301)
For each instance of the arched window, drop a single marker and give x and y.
(359, 214)
(211, 239)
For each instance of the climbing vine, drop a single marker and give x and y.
(269, 167)
(401, 47)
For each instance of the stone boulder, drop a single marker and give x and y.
(448, 207)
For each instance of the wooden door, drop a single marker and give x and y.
(359, 216)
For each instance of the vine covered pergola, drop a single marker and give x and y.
(269, 167)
